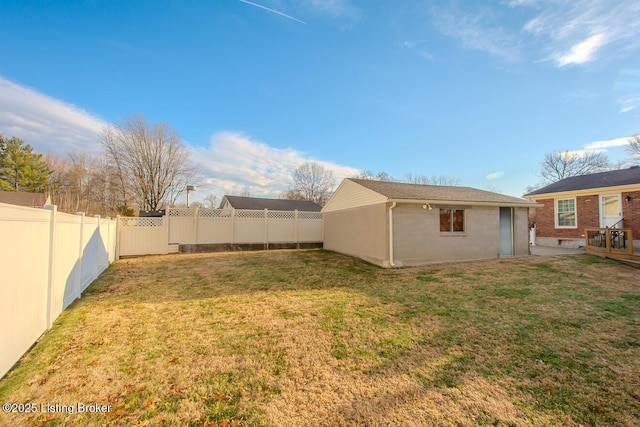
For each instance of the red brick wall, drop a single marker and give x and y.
(587, 211)
(631, 212)
(588, 216)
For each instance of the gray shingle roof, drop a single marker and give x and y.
(22, 198)
(240, 202)
(594, 180)
(402, 191)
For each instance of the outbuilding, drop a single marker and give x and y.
(395, 224)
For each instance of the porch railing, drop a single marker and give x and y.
(609, 240)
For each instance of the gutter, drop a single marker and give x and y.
(437, 203)
(391, 263)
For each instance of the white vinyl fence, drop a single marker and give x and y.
(196, 226)
(47, 259)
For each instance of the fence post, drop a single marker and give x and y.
(266, 228)
(76, 291)
(51, 272)
(118, 238)
(607, 239)
(233, 225)
(295, 228)
(195, 225)
(96, 251)
(109, 220)
(167, 217)
(165, 229)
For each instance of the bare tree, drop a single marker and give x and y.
(211, 199)
(432, 180)
(564, 164)
(292, 194)
(633, 147)
(312, 181)
(151, 162)
(83, 182)
(378, 176)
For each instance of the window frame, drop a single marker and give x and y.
(556, 213)
(452, 211)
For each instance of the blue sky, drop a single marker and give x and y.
(479, 91)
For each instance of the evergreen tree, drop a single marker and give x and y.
(20, 168)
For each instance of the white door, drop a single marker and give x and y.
(610, 211)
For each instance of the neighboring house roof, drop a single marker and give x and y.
(436, 194)
(615, 178)
(22, 198)
(240, 202)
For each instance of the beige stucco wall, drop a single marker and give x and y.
(360, 232)
(521, 226)
(417, 238)
(363, 232)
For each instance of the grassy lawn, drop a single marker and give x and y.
(305, 338)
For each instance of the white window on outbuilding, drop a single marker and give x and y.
(452, 221)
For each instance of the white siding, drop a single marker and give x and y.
(352, 195)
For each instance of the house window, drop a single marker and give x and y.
(451, 220)
(566, 213)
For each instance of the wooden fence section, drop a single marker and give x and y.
(196, 226)
(47, 259)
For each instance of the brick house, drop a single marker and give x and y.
(605, 199)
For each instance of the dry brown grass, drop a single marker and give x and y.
(314, 338)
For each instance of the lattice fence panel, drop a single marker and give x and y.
(249, 214)
(281, 215)
(181, 212)
(310, 215)
(140, 222)
(214, 213)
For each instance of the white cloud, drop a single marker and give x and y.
(573, 32)
(412, 43)
(603, 145)
(234, 163)
(629, 103)
(564, 32)
(47, 124)
(474, 33)
(495, 175)
(517, 3)
(582, 52)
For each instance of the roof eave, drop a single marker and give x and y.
(523, 204)
(585, 191)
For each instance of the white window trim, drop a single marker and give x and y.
(555, 213)
(464, 222)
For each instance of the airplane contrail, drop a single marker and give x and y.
(273, 11)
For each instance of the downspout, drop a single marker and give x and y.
(391, 263)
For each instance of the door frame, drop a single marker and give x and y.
(601, 215)
(511, 228)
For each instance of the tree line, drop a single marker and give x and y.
(146, 166)
(142, 166)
